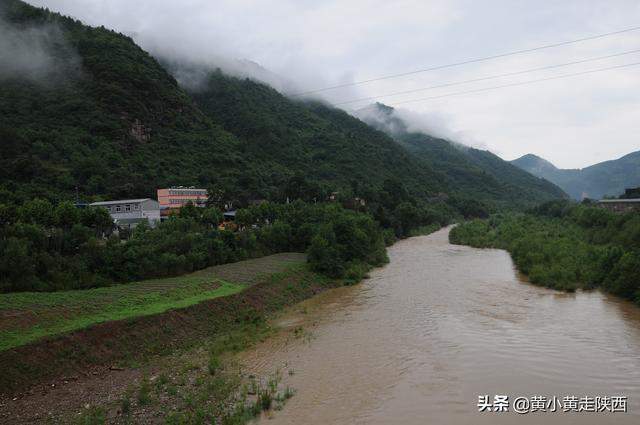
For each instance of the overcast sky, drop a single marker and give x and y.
(572, 122)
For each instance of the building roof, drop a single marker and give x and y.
(616, 201)
(123, 201)
(183, 188)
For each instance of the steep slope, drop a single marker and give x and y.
(609, 178)
(100, 116)
(105, 119)
(323, 143)
(475, 172)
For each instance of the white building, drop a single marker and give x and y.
(130, 212)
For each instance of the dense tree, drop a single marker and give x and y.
(566, 246)
(67, 250)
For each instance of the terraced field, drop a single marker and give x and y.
(26, 317)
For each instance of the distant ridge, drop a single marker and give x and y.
(609, 178)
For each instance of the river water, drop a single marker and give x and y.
(422, 338)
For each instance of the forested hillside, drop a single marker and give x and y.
(103, 119)
(608, 178)
(465, 169)
(303, 137)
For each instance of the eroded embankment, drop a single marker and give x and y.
(26, 317)
(132, 341)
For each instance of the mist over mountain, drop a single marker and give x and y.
(465, 168)
(37, 52)
(127, 127)
(608, 178)
(398, 121)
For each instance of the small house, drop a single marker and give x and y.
(178, 197)
(128, 213)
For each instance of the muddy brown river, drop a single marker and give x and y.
(440, 325)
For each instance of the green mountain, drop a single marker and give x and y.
(465, 169)
(306, 137)
(86, 111)
(609, 178)
(118, 125)
(101, 116)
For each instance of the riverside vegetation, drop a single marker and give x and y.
(202, 384)
(565, 246)
(47, 248)
(73, 324)
(197, 388)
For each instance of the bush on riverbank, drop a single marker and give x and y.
(566, 246)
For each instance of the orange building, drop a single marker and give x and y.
(177, 197)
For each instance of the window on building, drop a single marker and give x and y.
(118, 208)
(127, 207)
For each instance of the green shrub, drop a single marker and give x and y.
(566, 246)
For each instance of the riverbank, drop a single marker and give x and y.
(566, 246)
(26, 317)
(106, 358)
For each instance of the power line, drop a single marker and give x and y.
(491, 77)
(468, 61)
(522, 83)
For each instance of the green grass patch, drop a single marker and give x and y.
(28, 316)
(229, 323)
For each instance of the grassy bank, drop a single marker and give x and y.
(27, 317)
(136, 339)
(566, 246)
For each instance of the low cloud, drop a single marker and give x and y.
(192, 75)
(437, 124)
(37, 53)
(399, 120)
